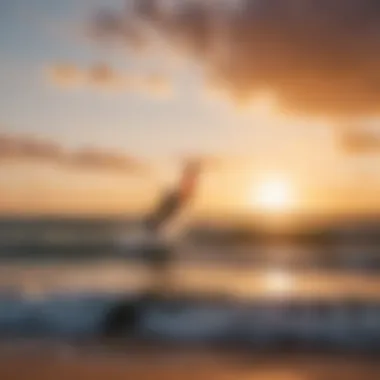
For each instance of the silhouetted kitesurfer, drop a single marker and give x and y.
(126, 316)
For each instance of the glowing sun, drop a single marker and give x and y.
(274, 195)
(278, 282)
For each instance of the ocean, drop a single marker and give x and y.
(60, 277)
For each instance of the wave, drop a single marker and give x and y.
(186, 320)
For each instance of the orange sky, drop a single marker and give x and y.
(93, 94)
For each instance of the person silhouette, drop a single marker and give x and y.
(126, 316)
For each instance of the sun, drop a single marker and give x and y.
(278, 282)
(273, 195)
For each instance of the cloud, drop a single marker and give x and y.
(206, 161)
(65, 75)
(29, 149)
(155, 84)
(358, 142)
(26, 148)
(103, 77)
(98, 75)
(319, 57)
(112, 23)
(102, 160)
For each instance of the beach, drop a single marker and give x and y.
(97, 362)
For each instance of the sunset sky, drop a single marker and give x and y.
(100, 100)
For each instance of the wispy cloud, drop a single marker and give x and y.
(65, 75)
(103, 77)
(26, 148)
(358, 142)
(30, 149)
(318, 57)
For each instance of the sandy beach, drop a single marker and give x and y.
(61, 362)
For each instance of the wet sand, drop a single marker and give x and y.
(63, 362)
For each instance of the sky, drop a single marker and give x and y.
(101, 99)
